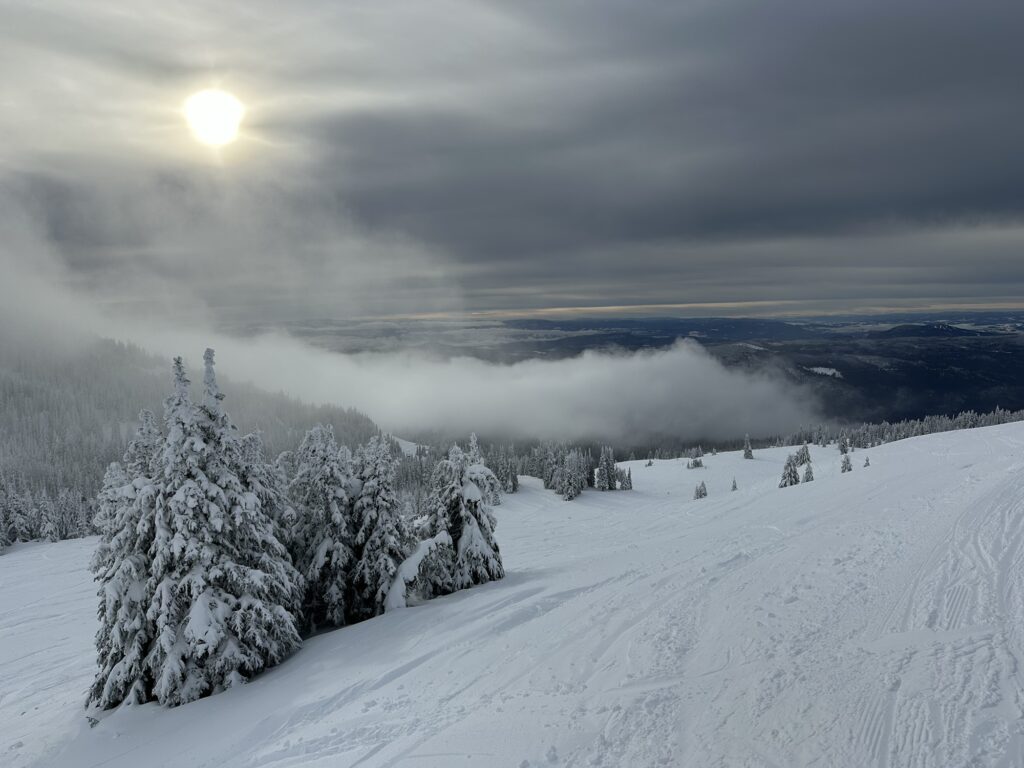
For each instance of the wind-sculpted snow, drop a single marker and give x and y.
(870, 618)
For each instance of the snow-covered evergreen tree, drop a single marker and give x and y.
(604, 476)
(110, 496)
(790, 473)
(503, 463)
(602, 481)
(121, 565)
(66, 515)
(808, 473)
(701, 491)
(549, 465)
(86, 515)
(612, 467)
(464, 551)
(491, 489)
(867, 461)
(572, 475)
(220, 580)
(286, 516)
(477, 557)
(322, 492)
(847, 465)
(49, 528)
(627, 482)
(473, 453)
(7, 530)
(25, 516)
(803, 455)
(382, 540)
(748, 452)
(734, 486)
(268, 483)
(511, 472)
(436, 568)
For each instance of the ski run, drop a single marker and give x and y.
(868, 618)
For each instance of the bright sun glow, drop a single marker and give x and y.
(213, 116)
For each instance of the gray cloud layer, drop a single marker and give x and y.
(410, 157)
(438, 156)
(681, 392)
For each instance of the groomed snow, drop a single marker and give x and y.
(868, 619)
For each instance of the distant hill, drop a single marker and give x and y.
(65, 413)
(926, 331)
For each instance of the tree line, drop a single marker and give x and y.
(214, 561)
(68, 410)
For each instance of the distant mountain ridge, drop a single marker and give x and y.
(926, 331)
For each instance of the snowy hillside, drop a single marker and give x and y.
(874, 618)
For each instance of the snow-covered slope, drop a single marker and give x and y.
(866, 619)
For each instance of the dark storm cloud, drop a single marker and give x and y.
(720, 120)
(417, 157)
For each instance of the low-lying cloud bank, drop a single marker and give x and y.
(681, 391)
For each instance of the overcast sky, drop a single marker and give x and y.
(413, 157)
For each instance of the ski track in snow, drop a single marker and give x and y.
(866, 619)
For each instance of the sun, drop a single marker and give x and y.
(213, 116)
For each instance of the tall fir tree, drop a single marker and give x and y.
(219, 578)
(477, 556)
(803, 455)
(474, 456)
(436, 572)
(49, 527)
(748, 452)
(7, 531)
(66, 514)
(322, 491)
(604, 477)
(24, 515)
(847, 465)
(612, 469)
(574, 475)
(462, 526)
(790, 473)
(269, 484)
(473, 453)
(382, 539)
(510, 480)
(121, 565)
(287, 516)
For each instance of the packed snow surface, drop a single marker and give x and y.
(873, 618)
